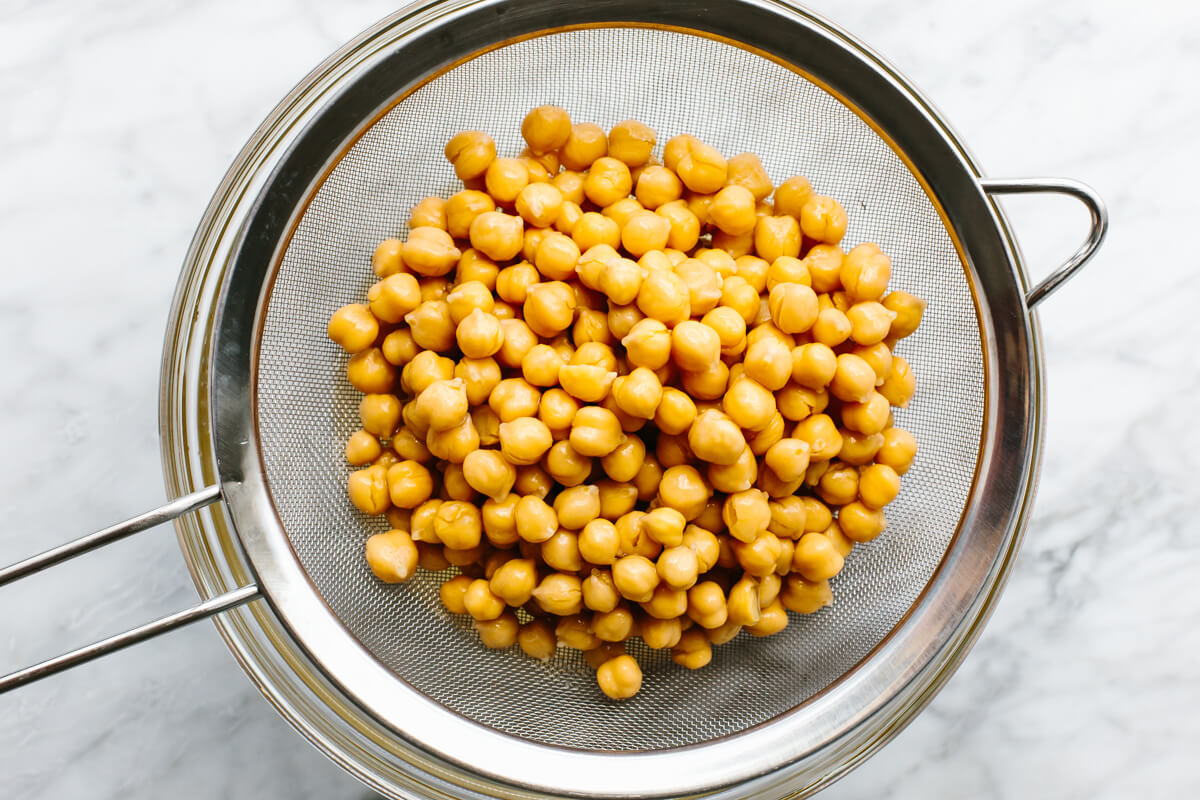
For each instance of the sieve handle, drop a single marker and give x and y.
(57, 555)
(1081, 192)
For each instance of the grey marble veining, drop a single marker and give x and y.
(117, 120)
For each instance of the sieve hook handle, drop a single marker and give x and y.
(1081, 192)
(57, 555)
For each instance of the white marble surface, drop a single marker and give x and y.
(117, 121)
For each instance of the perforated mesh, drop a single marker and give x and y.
(676, 83)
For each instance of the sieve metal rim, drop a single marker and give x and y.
(232, 488)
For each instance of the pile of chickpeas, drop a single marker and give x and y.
(625, 398)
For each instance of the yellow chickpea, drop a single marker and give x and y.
(480, 602)
(512, 283)
(823, 219)
(444, 404)
(861, 523)
(392, 556)
(497, 235)
(683, 488)
(593, 229)
(787, 517)
(867, 417)
(429, 213)
(736, 246)
(622, 211)
(716, 438)
(455, 443)
(386, 260)
(813, 365)
(458, 525)
(619, 678)
(707, 385)
(533, 480)
(598, 592)
(805, 597)
(908, 310)
(702, 168)
(621, 280)
(645, 231)
(660, 634)
(703, 285)
(878, 485)
(463, 208)
(631, 142)
(824, 441)
(793, 307)
(370, 372)
(869, 322)
(675, 412)
(865, 272)
(666, 602)
(539, 204)
(599, 542)
(768, 361)
(898, 450)
(487, 425)
(499, 633)
(853, 380)
(399, 347)
(430, 252)
(536, 640)
(453, 593)
(613, 626)
(777, 237)
(595, 432)
(749, 404)
(746, 170)
(771, 621)
(815, 558)
(635, 578)
(524, 440)
(585, 143)
(607, 181)
(657, 186)
(567, 465)
(693, 650)
(678, 567)
(362, 448)
(393, 297)
(549, 308)
(586, 382)
(839, 484)
(470, 152)
(546, 128)
(732, 210)
(685, 225)
(353, 327)
(514, 398)
(637, 394)
(380, 414)
(706, 605)
(557, 409)
(555, 258)
(791, 196)
(535, 520)
(824, 263)
(479, 335)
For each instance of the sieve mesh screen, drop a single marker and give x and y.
(677, 83)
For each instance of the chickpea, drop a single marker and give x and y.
(793, 307)
(706, 605)
(577, 506)
(815, 558)
(869, 322)
(434, 289)
(533, 480)
(861, 523)
(421, 522)
(595, 431)
(813, 364)
(638, 393)
(695, 346)
(824, 441)
(586, 382)
(805, 597)
(546, 128)
(524, 440)
(557, 409)
(607, 181)
(635, 578)
(479, 376)
(598, 542)
(729, 325)
(746, 170)
(539, 204)
(353, 327)
(619, 678)
(380, 414)
(735, 477)
(463, 208)
(444, 404)
(787, 517)
(631, 142)
(865, 272)
(898, 449)
(392, 556)
(657, 186)
(362, 448)
(431, 325)
(760, 442)
(675, 412)
(518, 341)
(623, 462)
(537, 640)
(735, 246)
(908, 310)
(430, 252)
(679, 567)
(487, 425)
(707, 385)
(823, 219)
(769, 362)
(497, 235)
(900, 384)
(480, 602)
(788, 458)
(487, 472)
(458, 525)
(839, 484)
(879, 356)
(535, 520)
(878, 485)
(598, 591)
(561, 551)
(593, 229)
(549, 307)
(453, 593)
(869, 416)
(429, 213)
(644, 232)
(617, 498)
(499, 520)
(393, 297)
(853, 380)
(648, 478)
(693, 650)
(666, 602)
(702, 168)
(585, 143)
(622, 211)
(685, 225)
(408, 484)
(370, 372)
(566, 465)
(455, 485)
(399, 347)
(555, 259)
(791, 196)
(386, 260)
(786, 269)
(479, 335)
(743, 602)
(499, 633)
(859, 448)
(673, 451)
(613, 626)
(683, 488)
(732, 211)
(716, 438)
(749, 404)
(773, 619)
(824, 263)
(471, 152)
(660, 634)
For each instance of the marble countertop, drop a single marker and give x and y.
(119, 120)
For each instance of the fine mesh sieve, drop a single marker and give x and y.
(383, 679)
(307, 410)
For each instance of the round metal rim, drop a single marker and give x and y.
(1011, 447)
